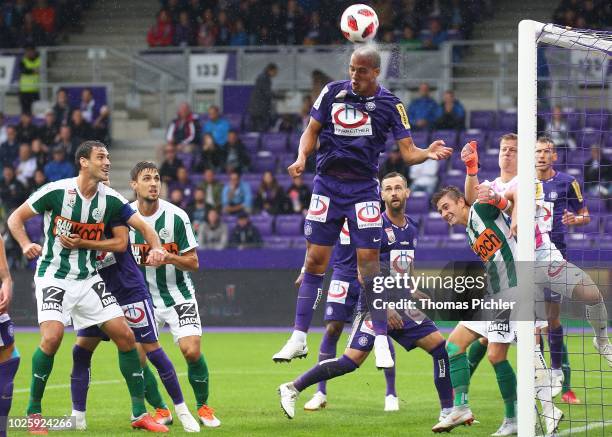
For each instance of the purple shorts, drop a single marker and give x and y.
(139, 316)
(7, 334)
(342, 298)
(362, 335)
(335, 199)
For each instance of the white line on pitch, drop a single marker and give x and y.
(588, 427)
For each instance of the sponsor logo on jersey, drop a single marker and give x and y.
(86, 231)
(345, 236)
(71, 198)
(307, 229)
(553, 195)
(390, 235)
(140, 251)
(367, 327)
(105, 296)
(318, 209)
(350, 121)
(556, 267)
(400, 261)
(329, 310)
(368, 215)
(135, 314)
(487, 244)
(338, 290)
(403, 116)
(187, 314)
(105, 259)
(52, 298)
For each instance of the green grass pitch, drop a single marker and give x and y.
(243, 391)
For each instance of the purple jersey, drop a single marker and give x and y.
(561, 192)
(344, 257)
(121, 274)
(355, 129)
(397, 245)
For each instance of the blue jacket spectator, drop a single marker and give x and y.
(450, 113)
(217, 126)
(422, 110)
(59, 168)
(434, 36)
(9, 150)
(236, 196)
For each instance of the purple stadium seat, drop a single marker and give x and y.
(473, 135)
(489, 162)
(608, 227)
(285, 160)
(250, 140)
(263, 222)
(274, 142)
(598, 120)
(435, 226)
(578, 242)
(588, 137)
(486, 175)
(482, 119)
(275, 242)
(283, 179)
(417, 204)
(187, 159)
(420, 138)
(235, 120)
(34, 228)
(448, 136)
(507, 121)
(297, 242)
(494, 136)
(596, 206)
(294, 141)
(230, 220)
(592, 229)
(456, 179)
(430, 242)
(456, 240)
(196, 179)
(456, 162)
(603, 244)
(573, 120)
(576, 158)
(265, 161)
(289, 225)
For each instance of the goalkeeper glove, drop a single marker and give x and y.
(492, 198)
(469, 155)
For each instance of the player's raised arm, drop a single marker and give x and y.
(16, 224)
(6, 289)
(469, 156)
(157, 255)
(413, 155)
(308, 144)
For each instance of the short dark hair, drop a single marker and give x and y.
(84, 151)
(546, 140)
(140, 167)
(394, 174)
(454, 192)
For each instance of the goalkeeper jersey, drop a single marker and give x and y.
(167, 284)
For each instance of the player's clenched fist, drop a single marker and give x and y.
(297, 168)
(469, 156)
(156, 257)
(32, 250)
(437, 150)
(485, 194)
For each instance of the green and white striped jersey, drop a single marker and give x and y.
(167, 284)
(67, 212)
(488, 233)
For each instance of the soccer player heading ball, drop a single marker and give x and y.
(351, 120)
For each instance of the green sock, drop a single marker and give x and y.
(567, 371)
(129, 363)
(506, 379)
(151, 390)
(197, 372)
(460, 378)
(476, 353)
(41, 369)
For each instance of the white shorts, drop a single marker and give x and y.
(183, 319)
(552, 271)
(86, 301)
(496, 331)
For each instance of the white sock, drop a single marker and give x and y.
(298, 336)
(597, 315)
(381, 341)
(181, 408)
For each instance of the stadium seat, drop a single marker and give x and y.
(494, 136)
(489, 162)
(596, 206)
(577, 158)
(417, 204)
(265, 161)
(250, 141)
(294, 141)
(275, 242)
(456, 162)
(297, 242)
(456, 179)
(196, 179)
(598, 121)
(235, 120)
(590, 230)
(283, 179)
(507, 121)
(477, 135)
(482, 119)
(456, 241)
(285, 160)
(608, 227)
(289, 225)
(588, 137)
(274, 142)
(34, 228)
(578, 242)
(420, 138)
(435, 226)
(187, 159)
(263, 222)
(430, 242)
(573, 120)
(448, 136)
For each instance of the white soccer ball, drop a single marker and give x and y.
(359, 23)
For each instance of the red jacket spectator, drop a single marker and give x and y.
(184, 129)
(44, 16)
(161, 33)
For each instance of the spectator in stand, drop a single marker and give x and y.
(422, 110)
(40, 152)
(44, 16)
(49, 132)
(319, 80)
(174, 9)
(101, 126)
(434, 36)
(30, 34)
(294, 23)
(12, 192)
(558, 130)
(6, 36)
(196, 209)
(184, 129)
(236, 196)
(236, 156)
(209, 156)
(81, 129)
(61, 108)
(394, 163)
(2, 128)
(88, 105)
(26, 166)
(409, 41)
(245, 235)
(67, 142)
(598, 174)
(270, 196)
(182, 183)
(183, 32)
(59, 167)
(319, 31)
(212, 234)
(39, 180)
(424, 176)
(206, 34)
(450, 113)
(169, 167)
(29, 78)
(9, 150)
(388, 37)
(26, 131)
(239, 36)
(224, 31)
(177, 198)
(161, 33)
(217, 126)
(213, 190)
(195, 9)
(299, 196)
(260, 106)
(263, 36)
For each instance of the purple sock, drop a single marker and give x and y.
(167, 374)
(325, 370)
(442, 378)
(8, 369)
(390, 373)
(555, 340)
(79, 380)
(307, 300)
(327, 351)
(377, 312)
